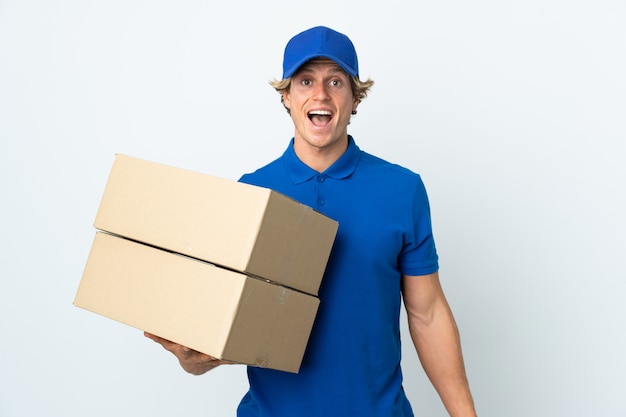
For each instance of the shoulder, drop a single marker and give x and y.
(375, 166)
(262, 174)
(391, 182)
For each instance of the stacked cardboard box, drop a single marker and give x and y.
(225, 268)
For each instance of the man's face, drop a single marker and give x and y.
(320, 100)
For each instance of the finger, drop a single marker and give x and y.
(185, 353)
(167, 344)
(157, 339)
(151, 336)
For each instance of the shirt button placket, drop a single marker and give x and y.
(320, 197)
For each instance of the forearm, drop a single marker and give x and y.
(438, 346)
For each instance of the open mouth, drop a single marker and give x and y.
(320, 118)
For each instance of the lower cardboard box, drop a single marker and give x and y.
(225, 314)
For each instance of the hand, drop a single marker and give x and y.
(192, 361)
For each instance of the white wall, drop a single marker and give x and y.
(513, 112)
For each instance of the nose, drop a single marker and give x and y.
(321, 91)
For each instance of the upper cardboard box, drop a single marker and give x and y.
(243, 227)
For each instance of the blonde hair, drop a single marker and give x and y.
(360, 89)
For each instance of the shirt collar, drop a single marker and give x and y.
(299, 172)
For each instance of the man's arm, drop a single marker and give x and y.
(436, 339)
(192, 361)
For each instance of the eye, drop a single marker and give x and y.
(305, 82)
(335, 83)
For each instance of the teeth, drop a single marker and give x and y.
(320, 113)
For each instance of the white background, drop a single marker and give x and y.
(514, 112)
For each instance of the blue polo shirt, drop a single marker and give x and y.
(352, 364)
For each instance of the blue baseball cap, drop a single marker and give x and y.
(320, 42)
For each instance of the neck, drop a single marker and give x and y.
(319, 158)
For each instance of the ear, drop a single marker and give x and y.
(355, 103)
(286, 100)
